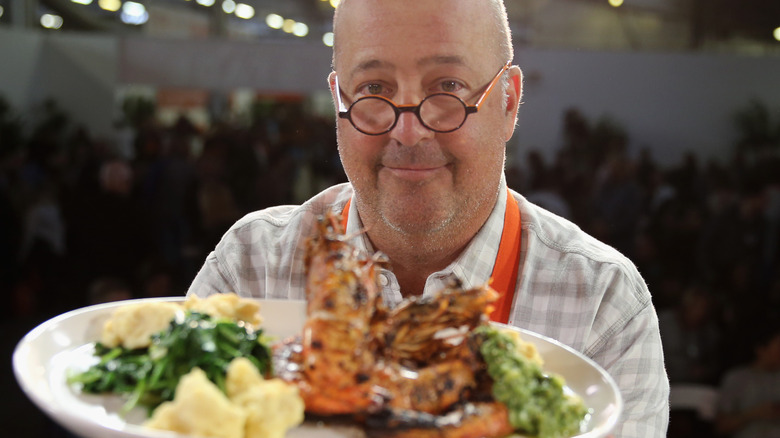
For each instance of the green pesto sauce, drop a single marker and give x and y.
(536, 401)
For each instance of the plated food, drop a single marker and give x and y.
(430, 367)
(200, 367)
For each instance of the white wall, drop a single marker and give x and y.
(225, 65)
(19, 53)
(76, 70)
(671, 102)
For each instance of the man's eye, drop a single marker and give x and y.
(450, 86)
(374, 89)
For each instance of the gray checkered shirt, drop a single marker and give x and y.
(571, 287)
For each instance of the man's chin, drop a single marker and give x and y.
(417, 222)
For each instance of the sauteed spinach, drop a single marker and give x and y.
(148, 376)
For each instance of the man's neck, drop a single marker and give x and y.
(414, 258)
(412, 269)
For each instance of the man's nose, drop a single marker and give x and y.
(409, 130)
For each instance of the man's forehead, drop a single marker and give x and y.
(421, 62)
(366, 29)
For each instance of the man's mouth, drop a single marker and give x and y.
(415, 173)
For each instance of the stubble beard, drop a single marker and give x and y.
(421, 238)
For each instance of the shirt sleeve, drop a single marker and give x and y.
(630, 350)
(210, 279)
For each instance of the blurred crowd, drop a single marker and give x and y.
(704, 234)
(84, 220)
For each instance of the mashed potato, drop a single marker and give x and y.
(133, 325)
(271, 406)
(253, 408)
(199, 408)
(229, 306)
(527, 349)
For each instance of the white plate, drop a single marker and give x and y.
(44, 356)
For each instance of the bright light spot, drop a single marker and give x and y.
(110, 5)
(288, 25)
(335, 3)
(1, 11)
(134, 19)
(133, 8)
(616, 3)
(229, 6)
(328, 39)
(206, 2)
(776, 33)
(134, 13)
(274, 21)
(300, 29)
(50, 21)
(244, 11)
(82, 2)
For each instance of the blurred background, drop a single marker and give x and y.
(133, 133)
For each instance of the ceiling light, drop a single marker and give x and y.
(244, 11)
(274, 21)
(134, 13)
(82, 2)
(335, 3)
(300, 29)
(51, 21)
(133, 8)
(327, 39)
(110, 5)
(1, 11)
(288, 25)
(229, 6)
(776, 33)
(206, 3)
(616, 3)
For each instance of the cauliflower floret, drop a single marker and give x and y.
(133, 325)
(272, 406)
(199, 408)
(229, 306)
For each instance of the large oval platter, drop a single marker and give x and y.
(43, 359)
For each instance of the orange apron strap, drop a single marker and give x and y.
(345, 214)
(504, 277)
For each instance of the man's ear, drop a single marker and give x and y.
(332, 85)
(514, 95)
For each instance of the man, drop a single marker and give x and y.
(427, 186)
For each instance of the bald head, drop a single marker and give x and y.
(490, 22)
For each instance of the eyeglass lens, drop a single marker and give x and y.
(438, 112)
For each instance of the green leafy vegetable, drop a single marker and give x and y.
(149, 376)
(537, 402)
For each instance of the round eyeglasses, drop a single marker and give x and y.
(439, 112)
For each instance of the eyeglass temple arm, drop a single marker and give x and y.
(342, 107)
(493, 83)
